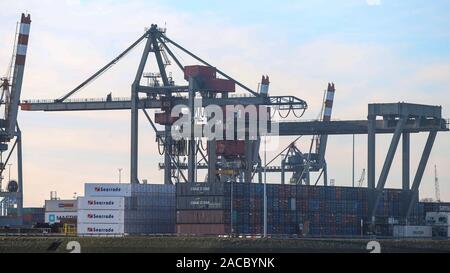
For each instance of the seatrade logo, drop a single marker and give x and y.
(101, 203)
(107, 189)
(99, 230)
(100, 216)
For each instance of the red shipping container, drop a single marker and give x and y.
(219, 85)
(164, 118)
(202, 217)
(230, 147)
(203, 229)
(200, 71)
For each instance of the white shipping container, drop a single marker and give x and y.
(100, 229)
(101, 203)
(413, 231)
(55, 217)
(107, 189)
(101, 216)
(60, 205)
(437, 218)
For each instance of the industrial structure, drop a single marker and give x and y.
(226, 161)
(11, 87)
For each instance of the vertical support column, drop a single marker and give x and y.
(168, 152)
(167, 129)
(248, 161)
(212, 159)
(405, 161)
(260, 176)
(371, 138)
(405, 176)
(325, 175)
(134, 114)
(387, 165)
(371, 153)
(419, 174)
(19, 174)
(283, 171)
(191, 142)
(134, 135)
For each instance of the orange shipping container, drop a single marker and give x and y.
(203, 229)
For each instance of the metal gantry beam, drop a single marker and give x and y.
(104, 68)
(419, 173)
(207, 64)
(135, 114)
(387, 166)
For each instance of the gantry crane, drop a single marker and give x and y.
(11, 87)
(217, 88)
(162, 94)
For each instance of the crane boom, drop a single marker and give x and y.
(327, 110)
(17, 79)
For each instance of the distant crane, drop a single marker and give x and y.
(361, 180)
(10, 90)
(436, 185)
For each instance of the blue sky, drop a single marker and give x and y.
(375, 51)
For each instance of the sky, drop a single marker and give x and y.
(374, 50)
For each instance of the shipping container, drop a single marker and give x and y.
(165, 118)
(199, 71)
(203, 229)
(100, 229)
(413, 231)
(207, 189)
(230, 147)
(202, 202)
(107, 189)
(61, 205)
(327, 211)
(56, 217)
(101, 216)
(218, 85)
(143, 209)
(203, 217)
(101, 203)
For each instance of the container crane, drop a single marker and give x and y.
(362, 178)
(11, 88)
(398, 119)
(436, 185)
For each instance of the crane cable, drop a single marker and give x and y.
(289, 111)
(298, 116)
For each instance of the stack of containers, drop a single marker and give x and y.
(203, 208)
(57, 210)
(291, 209)
(151, 209)
(331, 211)
(31, 216)
(425, 207)
(116, 209)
